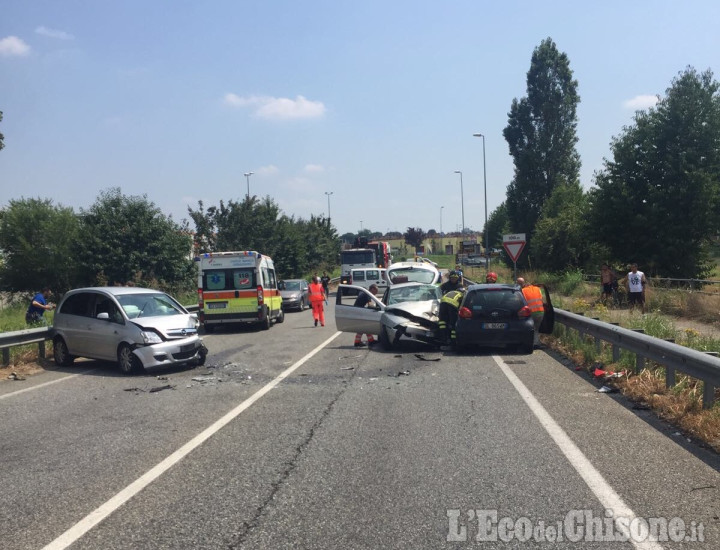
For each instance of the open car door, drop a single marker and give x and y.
(349, 318)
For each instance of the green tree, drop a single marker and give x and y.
(205, 230)
(656, 202)
(38, 240)
(498, 224)
(541, 134)
(128, 239)
(414, 236)
(2, 138)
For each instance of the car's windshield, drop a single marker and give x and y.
(148, 305)
(412, 275)
(290, 285)
(413, 293)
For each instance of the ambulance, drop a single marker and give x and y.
(238, 287)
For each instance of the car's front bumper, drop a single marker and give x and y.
(172, 352)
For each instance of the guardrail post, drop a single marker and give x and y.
(41, 349)
(615, 348)
(669, 377)
(6, 357)
(639, 359)
(708, 395)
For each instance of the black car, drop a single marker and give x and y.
(495, 315)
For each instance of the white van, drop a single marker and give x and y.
(367, 276)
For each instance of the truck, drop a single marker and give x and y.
(238, 287)
(364, 254)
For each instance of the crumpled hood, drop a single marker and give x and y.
(423, 313)
(171, 326)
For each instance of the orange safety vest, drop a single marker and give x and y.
(317, 293)
(534, 298)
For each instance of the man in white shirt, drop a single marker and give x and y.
(636, 287)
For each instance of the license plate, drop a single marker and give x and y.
(217, 305)
(494, 326)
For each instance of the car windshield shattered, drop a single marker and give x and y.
(149, 305)
(414, 293)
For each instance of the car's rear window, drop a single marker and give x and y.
(77, 304)
(484, 300)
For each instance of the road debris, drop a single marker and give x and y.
(204, 378)
(161, 388)
(607, 389)
(421, 357)
(15, 376)
(347, 368)
(162, 378)
(401, 373)
(134, 389)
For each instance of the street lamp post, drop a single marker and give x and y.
(442, 247)
(328, 196)
(462, 202)
(361, 226)
(247, 178)
(487, 249)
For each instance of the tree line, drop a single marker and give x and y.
(127, 240)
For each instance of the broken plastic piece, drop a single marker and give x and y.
(607, 389)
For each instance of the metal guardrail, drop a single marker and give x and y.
(674, 357)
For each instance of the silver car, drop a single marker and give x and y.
(136, 327)
(407, 310)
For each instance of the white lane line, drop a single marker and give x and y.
(104, 510)
(31, 388)
(590, 475)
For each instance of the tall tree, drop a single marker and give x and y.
(2, 138)
(541, 134)
(414, 236)
(498, 224)
(128, 239)
(657, 200)
(38, 240)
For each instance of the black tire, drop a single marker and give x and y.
(61, 354)
(384, 338)
(303, 305)
(281, 317)
(527, 349)
(128, 362)
(208, 328)
(265, 323)
(202, 356)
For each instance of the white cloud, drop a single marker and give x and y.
(641, 102)
(278, 108)
(53, 33)
(13, 46)
(314, 168)
(269, 170)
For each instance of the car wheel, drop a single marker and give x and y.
(280, 318)
(208, 328)
(128, 361)
(265, 323)
(527, 349)
(202, 356)
(384, 338)
(303, 305)
(61, 354)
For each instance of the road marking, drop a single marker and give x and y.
(18, 392)
(104, 510)
(590, 475)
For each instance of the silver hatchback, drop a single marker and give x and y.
(136, 327)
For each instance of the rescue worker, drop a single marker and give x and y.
(361, 301)
(534, 299)
(448, 314)
(317, 298)
(453, 282)
(491, 278)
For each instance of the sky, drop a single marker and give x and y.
(366, 108)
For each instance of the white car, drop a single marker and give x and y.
(136, 327)
(413, 272)
(406, 310)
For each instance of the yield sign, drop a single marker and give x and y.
(513, 245)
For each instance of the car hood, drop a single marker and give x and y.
(424, 313)
(171, 326)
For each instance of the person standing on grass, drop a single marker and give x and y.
(636, 283)
(608, 281)
(317, 297)
(37, 308)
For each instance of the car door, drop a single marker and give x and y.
(104, 334)
(349, 318)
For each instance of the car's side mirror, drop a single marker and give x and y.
(104, 316)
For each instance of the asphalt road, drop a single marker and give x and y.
(293, 438)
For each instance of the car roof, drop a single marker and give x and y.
(117, 290)
(492, 286)
(293, 280)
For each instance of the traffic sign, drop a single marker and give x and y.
(513, 245)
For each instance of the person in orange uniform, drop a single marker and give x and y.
(317, 299)
(534, 299)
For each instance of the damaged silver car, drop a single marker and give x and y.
(405, 311)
